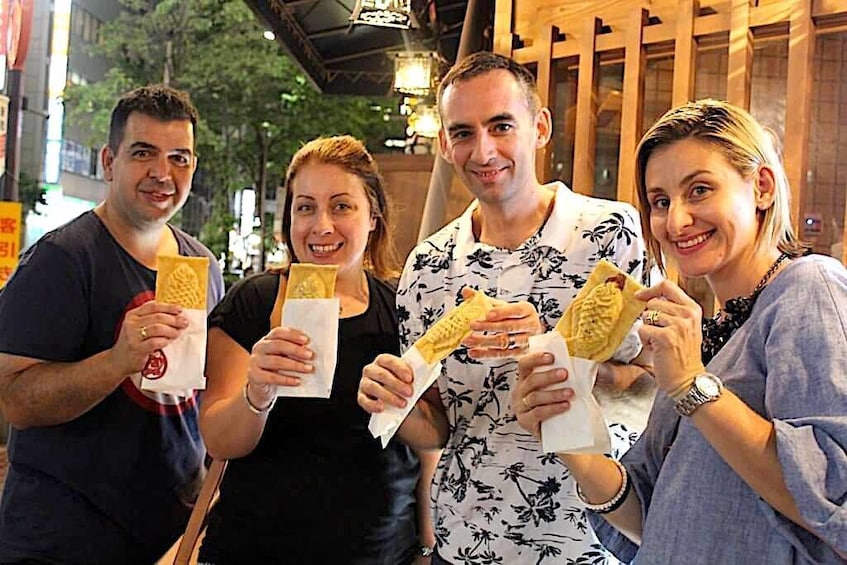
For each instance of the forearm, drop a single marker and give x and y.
(429, 461)
(747, 442)
(229, 428)
(426, 427)
(50, 393)
(599, 478)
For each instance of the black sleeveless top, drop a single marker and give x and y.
(318, 488)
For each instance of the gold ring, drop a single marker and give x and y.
(525, 403)
(143, 332)
(652, 318)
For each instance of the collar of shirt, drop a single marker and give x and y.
(558, 230)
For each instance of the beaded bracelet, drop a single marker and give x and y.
(252, 407)
(613, 503)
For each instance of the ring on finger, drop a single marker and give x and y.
(651, 318)
(143, 331)
(526, 403)
(513, 342)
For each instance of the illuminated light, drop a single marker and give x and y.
(413, 72)
(425, 121)
(383, 13)
(269, 35)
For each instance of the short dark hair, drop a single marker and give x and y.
(157, 101)
(483, 62)
(351, 155)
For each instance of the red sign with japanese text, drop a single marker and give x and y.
(10, 239)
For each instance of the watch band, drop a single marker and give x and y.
(696, 396)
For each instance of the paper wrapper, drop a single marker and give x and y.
(317, 318)
(178, 368)
(386, 423)
(582, 429)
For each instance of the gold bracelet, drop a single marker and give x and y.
(252, 407)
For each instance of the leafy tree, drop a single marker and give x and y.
(256, 108)
(31, 194)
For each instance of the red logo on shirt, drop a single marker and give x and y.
(156, 367)
(157, 364)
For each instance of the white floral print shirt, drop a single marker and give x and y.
(497, 498)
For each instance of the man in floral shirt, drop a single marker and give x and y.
(498, 498)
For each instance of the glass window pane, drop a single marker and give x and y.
(822, 209)
(658, 90)
(565, 80)
(609, 105)
(769, 84)
(710, 73)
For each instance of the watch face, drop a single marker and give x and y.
(707, 386)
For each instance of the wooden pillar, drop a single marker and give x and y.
(503, 27)
(798, 101)
(740, 72)
(435, 206)
(586, 110)
(544, 81)
(635, 67)
(685, 53)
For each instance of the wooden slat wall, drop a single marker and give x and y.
(635, 66)
(503, 27)
(740, 71)
(676, 27)
(545, 86)
(798, 97)
(586, 109)
(685, 53)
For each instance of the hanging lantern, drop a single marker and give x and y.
(425, 121)
(413, 72)
(383, 13)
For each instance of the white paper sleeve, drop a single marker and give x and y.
(386, 423)
(317, 318)
(582, 428)
(178, 369)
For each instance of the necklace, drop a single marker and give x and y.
(718, 330)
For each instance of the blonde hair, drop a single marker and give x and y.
(744, 143)
(351, 155)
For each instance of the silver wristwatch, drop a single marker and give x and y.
(705, 388)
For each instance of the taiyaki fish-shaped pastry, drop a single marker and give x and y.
(306, 280)
(182, 280)
(441, 339)
(598, 319)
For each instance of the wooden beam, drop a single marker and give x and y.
(503, 26)
(586, 110)
(798, 101)
(740, 64)
(822, 8)
(544, 82)
(685, 53)
(635, 67)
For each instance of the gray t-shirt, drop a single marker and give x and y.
(788, 362)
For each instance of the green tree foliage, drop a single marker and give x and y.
(256, 107)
